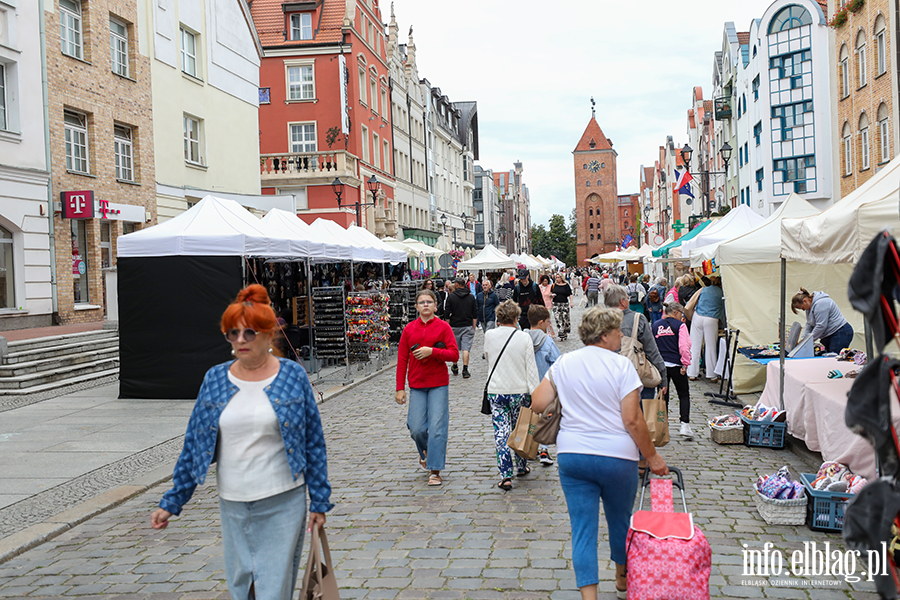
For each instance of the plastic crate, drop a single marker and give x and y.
(824, 510)
(764, 434)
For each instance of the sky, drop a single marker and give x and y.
(533, 72)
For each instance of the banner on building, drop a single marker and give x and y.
(77, 205)
(345, 81)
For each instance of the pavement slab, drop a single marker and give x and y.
(392, 536)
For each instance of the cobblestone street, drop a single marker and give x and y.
(392, 536)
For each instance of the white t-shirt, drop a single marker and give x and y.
(252, 462)
(592, 382)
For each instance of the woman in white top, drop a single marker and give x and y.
(509, 386)
(257, 417)
(600, 435)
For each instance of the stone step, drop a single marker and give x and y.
(36, 379)
(22, 356)
(56, 362)
(58, 340)
(53, 385)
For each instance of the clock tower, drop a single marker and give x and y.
(596, 193)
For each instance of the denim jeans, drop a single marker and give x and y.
(262, 542)
(586, 479)
(840, 339)
(428, 420)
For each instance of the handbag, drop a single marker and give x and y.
(633, 350)
(319, 582)
(547, 427)
(485, 404)
(691, 306)
(521, 440)
(657, 418)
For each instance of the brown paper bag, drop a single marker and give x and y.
(319, 582)
(657, 419)
(521, 439)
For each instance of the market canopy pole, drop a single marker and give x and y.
(781, 334)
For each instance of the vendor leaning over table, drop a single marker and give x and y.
(823, 320)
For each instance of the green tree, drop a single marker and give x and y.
(557, 239)
(539, 240)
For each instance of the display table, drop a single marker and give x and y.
(815, 410)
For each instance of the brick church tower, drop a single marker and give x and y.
(596, 193)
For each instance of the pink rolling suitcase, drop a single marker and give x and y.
(668, 556)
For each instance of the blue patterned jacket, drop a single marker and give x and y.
(295, 405)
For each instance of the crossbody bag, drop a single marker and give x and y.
(485, 405)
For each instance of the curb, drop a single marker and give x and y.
(35, 535)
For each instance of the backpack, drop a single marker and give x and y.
(653, 296)
(634, 294)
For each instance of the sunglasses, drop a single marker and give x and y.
(232, 335)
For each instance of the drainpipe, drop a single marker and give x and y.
(51, 216)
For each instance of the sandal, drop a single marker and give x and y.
(505, 485)
(422, 461)
(435, 479)
(523, 473)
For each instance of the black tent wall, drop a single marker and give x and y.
(169, 312)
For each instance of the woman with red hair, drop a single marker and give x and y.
(257, 417)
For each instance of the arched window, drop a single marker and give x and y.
(754, 51)
(790, 17)
(626, 225)
(599, 181)
(847, 143)
(626, 213)
(845, 71)
(884, 134)
(587, 184)
(864, 141)
(861, 73)
(592, 237)
(7, 281)
(880, 45)
(591, 212)
(592, 225)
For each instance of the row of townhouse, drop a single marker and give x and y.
(804, 101)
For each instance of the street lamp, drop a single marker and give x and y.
(725, 152)
(337, 186)
(463, 216)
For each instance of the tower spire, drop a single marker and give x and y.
(593, 108)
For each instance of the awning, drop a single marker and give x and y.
(664, 249)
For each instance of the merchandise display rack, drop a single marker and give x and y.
(330, 330)
(398, 312)
(368, 324)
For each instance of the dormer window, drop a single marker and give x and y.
(301, 26)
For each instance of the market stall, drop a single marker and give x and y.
(737, 222)
(489, 259)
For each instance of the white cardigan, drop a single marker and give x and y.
(517, 372)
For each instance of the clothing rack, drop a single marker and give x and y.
(726, 395)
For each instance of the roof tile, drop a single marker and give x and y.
(270, 22)
(593, 132)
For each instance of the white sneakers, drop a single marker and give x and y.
(686, 431)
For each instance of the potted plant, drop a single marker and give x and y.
(331, 137)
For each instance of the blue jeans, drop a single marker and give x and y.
(262, 542)
(428, 421)
(655, 315)
(586, 479)
(838, 340)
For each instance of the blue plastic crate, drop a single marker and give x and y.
(763, 434)
(824, 510)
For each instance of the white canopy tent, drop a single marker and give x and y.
(360, 250)
(489, 259)
(420, 246)
(287, 224)
(530, 263)
(398, 245)
(737, 222)
(391, 254)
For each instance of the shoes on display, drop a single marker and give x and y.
(686, 431)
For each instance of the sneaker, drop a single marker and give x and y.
(686, 431)
(455, 369)
(545, 458)
(466, 374)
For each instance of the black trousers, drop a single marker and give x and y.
(684, 393)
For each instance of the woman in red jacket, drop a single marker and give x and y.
(431, 344)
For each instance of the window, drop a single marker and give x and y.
(76, 142)
(118, 42)
(592, 237)
(755, 88)
(848, 150)
(880, 48)
(303, 137)
(365, 144)
(373, 85)
(188, 52)
(759, 180)
(599, 182)
(362, 85)
(384, 102)
(757, 132)
(884, 133)
(592, 212)
(864, 141)
(70, 28)
(3, 120)
(845, 78)
(105, 245)
(742, 197)
(300, 83)
(7, 279)
(387, 153)
(80, 270)
(123, 152)
(301, 26)
(192, 140)
(791, 116)
(789, 18)
(587, 184)
(861, 60)
(794, 169)
(592, 225)
(790, 66)
(376, 150)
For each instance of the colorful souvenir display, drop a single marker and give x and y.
(368, 324)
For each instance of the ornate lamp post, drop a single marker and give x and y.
(337, 186)
(725, 152)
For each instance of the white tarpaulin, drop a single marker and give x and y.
(737, 222)
(841, 232)
(763, 244)
(360, 250)
(391, 254)
(420, 246)
(489, 259)
(285, 224)
(398, 245)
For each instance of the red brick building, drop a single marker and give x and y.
(627, 207)
(325, 108)
(596, 196)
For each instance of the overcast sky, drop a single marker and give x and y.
(533, 66)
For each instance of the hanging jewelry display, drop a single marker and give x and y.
(329, 324)
(368, 324)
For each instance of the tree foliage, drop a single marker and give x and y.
(556, 239)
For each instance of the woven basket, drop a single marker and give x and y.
(781, 512)
(727, 435)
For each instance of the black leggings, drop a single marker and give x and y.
(684, 393)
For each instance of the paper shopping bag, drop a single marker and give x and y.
(521, 440)
(319, 582)
(657, 419)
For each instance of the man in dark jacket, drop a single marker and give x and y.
(487, 301)
(462, 314)
(441, 294)
(526, 293)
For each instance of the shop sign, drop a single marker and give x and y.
(104, 209)
(77, 205)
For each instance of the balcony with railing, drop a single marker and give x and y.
(305, 168)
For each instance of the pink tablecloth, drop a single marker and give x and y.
(815, 406)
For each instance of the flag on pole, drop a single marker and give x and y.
(683, 182)
(627, 240)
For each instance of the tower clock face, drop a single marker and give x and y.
(593, 166)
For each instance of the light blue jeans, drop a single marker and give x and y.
(263, 541)
(428, 420)
(586, 479)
